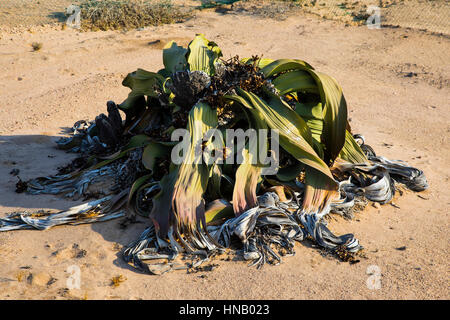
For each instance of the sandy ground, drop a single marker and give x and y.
(430, 15)
(396, 82)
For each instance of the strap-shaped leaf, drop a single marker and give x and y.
(334, 113)
(153, 151)
(193, 173)
(332, 98)
(174, 57)
(141, 83)
(295, 136)
(248, 174)
(247, 177)
(218, 211)
(283, 65)
(213, 156)
(293, 81)
(351, 151)
(291, 172)
(214, 182)
(319, 192)
(203, 54)
(312, 113)
(162, 213)
(132, 194)
(293, 131)
(261, 63)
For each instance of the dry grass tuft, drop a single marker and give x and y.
(36, 46)
(117, 280)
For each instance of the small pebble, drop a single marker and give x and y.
(14, 172)
(51, 281)
(410, 74)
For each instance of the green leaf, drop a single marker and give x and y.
(193, 175)
(282, 65)
(334, 113)
(137, 141)
(312, 113)
(293, 81)
(134, 189)
(141, 83)
(247, 177)
(214, 144)
(174, 57)
(262, 62)
(203, 54)
(248, 174)
(162, 213)
(351, 151)
(295, 136)
(332, 98)
(238, 99)
(290, 173)
(164, 73)
(214, 183)
(218, 211)
(153, 151)
(319, 191)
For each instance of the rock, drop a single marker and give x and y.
(410, 74)
(14, 172)
(376, 205)
(25, 267)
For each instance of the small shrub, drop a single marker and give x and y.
(275, 9)
(129, 14)
(117, 280)
(36, 46)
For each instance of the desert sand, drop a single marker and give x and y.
(395, 80)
